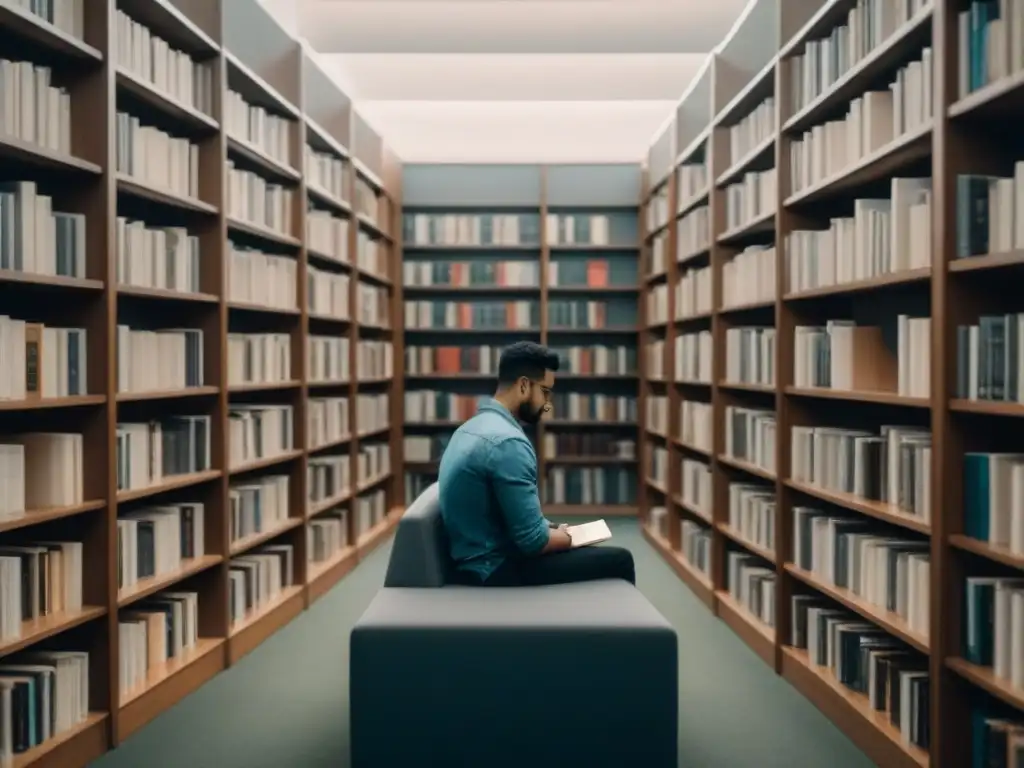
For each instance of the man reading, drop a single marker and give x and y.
(488, 490)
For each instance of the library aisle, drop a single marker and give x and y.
(272, 709)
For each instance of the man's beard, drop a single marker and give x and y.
(528, 415)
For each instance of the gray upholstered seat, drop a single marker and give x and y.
(422, 546)
(450, 676)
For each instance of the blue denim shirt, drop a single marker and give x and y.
(488, 492)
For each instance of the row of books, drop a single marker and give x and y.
(486, 229)
(476, 315)
(370, 204)
(991, 43)
(258, 127)
(38, 580)
(588, 445)
(327, 534)
(693, 236)
(327, 172)
(591, 485)
(825, 60)
(259, 432)
(884, 236)
(752, 130)
(891, 676)
(692, 357)
(157, 541)
(265, 358)
(327, 235)
(150, 361)
(483, 359)
(373, 412)
(42, 117)
(153, 632)
(441, 407)
(657, 213)
(891, 466)
(372, 308)
(328, 421)
(886, 572)
(875, 120)
(747, 278)
(750, 199)
(157, 62)
(254, 200)
(41, 362)
(156, 158)
(66, 15)
(508, 315)
(844, 356)
(691, 183)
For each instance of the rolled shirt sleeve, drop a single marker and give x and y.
(514, 476)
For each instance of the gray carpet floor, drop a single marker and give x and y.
(286, 703)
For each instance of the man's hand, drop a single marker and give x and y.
(558, 540)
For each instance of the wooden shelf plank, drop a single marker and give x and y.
(188, 117)
(593, 511)
(985, 678)
(269, 461)
(370, 540)
(247, 634)
(868, 729)
(891, 622)
(991, 552)
(737, 538)
(885, 512)
(146, 587)
(169, 682)
(79, 745)
(37, 516)
(166, 394)
(698, 583)
(316, 507)
(75, 401)
(322, 577)
(173, 483)
(883, 398)
(247, 543)
(36, 630)
(760, 638)
(745, 466)
(33, 27)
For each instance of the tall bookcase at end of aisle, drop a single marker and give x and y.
(496, 254)
(196, 271)
(830, 385)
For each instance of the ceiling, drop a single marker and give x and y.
(513, 80)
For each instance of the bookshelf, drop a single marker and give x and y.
(845, 412)
(198, 269)
(495, 254)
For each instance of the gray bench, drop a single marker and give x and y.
(448, 676)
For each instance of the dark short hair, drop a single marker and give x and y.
(525, 358)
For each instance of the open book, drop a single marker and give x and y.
(589, 533)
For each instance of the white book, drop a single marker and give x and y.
(586, 534)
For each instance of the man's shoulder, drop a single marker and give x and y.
(483, 440)
(491, 427)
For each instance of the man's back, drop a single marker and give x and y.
(488, 492)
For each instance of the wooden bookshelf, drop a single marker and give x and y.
(958, 139)
(243, 51)
(537, 197)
